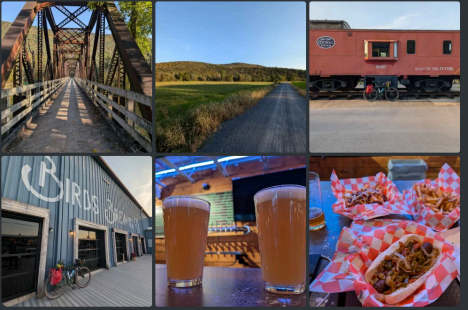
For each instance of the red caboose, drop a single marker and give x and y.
(427, 60)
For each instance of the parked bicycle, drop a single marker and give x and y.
(373, 92)
(61, 276)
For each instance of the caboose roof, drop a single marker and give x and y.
(342, 23)
(389, 30)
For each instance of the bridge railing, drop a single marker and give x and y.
(20, 104)
(123, 111)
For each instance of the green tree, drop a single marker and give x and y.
(138, 16)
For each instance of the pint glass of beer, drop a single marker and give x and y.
(185, 232)
(316, 216)
(281, 221)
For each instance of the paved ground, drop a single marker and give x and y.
(70, 124)
(276, 124)
(128, 285)
(344, 126)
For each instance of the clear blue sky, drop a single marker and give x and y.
(271, 34)
(135, 172)
(391, 15)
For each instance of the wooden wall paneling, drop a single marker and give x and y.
(355, 167)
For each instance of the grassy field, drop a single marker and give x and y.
(175, 98)
(300, 86)
(188, 112)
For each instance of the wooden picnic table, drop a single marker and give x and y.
(223, 287)
(324, 241)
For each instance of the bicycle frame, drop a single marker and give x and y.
(69, 281)
(380, 90)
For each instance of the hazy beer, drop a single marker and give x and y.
(185, 231)
(281, 221)
(316, 216)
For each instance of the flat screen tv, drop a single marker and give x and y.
(244, 189)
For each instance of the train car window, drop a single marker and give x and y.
(380, 49)
(447, 47)
(410, 47)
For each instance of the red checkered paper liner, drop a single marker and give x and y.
(396, 203)
(360, 244)
(448, 181)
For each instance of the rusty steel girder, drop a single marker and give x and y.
(95, 47)
(40, 34)
(27, 66)
(50, 18)
(113, 66)
(12, 42)
(70, 16)
(137, 69)
(102, 47)
(73, 16)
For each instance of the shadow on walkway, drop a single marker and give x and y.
(70, 124)
(127, 285)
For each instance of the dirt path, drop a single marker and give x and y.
(276, 124)
(71, 124)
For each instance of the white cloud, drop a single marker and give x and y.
(405, 21)
(401, 22)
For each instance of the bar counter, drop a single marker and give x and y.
(223, 287)
(324, 242)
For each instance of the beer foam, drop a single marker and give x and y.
(186, 201)
(280, 192)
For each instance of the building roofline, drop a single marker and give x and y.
(106, 167)
(394, 30)
(330, 21)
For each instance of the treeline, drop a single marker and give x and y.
(235, 72)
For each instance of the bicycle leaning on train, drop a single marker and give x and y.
(61, 276)
(373, 92)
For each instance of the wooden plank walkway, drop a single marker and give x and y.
(128, 285)
(71, 123)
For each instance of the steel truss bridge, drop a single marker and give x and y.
(121, 95)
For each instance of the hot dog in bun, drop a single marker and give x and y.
(401, 269)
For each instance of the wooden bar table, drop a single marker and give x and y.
(324, 242)
(223, 287)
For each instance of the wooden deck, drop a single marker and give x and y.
(128, 285)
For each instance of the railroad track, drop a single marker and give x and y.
(350, 95)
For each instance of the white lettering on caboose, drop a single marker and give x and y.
(433, 68)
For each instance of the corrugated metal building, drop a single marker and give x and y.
(63, 208)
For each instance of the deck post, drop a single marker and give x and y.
(109, 112)
(131, 107)
(6, 103)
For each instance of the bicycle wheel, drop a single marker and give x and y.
(370, 96)
(82, 276)
(391, 94)
(54, 291)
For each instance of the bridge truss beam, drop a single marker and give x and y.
(128, 64)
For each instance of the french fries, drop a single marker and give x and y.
(367, 195)
(437, 200)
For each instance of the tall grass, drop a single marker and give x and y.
(189, 131)
(300, 87)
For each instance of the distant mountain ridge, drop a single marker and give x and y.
(237, 72)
